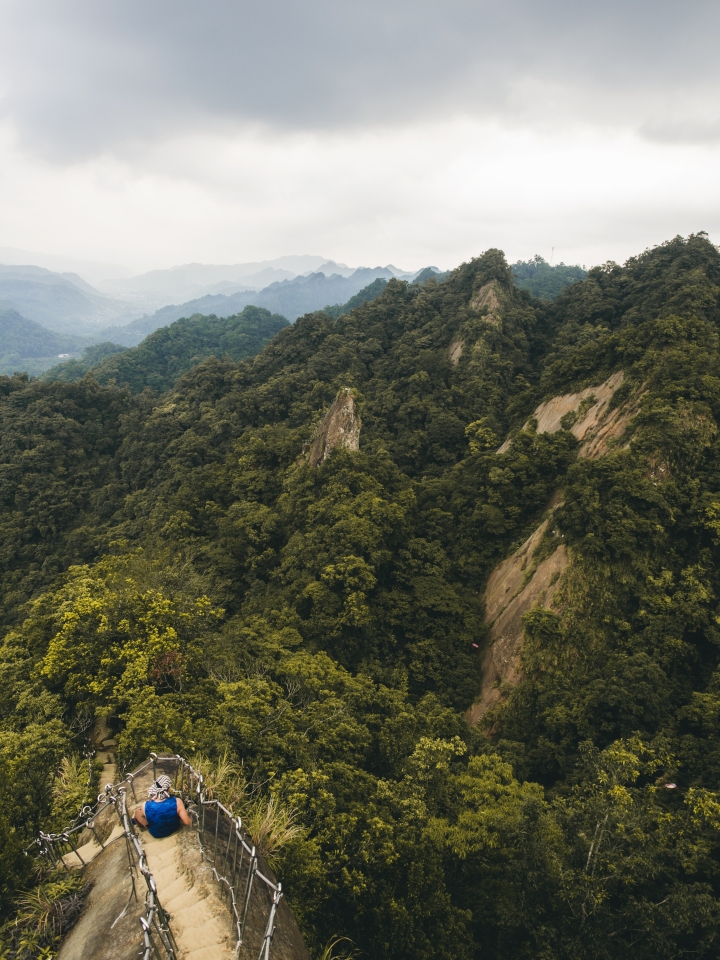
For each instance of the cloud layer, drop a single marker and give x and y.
(156, 132)
(81, 77)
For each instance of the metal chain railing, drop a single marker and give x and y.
(222, 840)
(158, 939)
(223, 844)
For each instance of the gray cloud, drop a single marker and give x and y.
(81, 77)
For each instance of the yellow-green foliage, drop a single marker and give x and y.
(74, 786)
(41, 917)
(308, 633)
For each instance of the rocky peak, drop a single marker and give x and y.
(340, 428)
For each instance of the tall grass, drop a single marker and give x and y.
(223, 780)
(75, 785)
(272, 827)
(269, 823)
(42, 916)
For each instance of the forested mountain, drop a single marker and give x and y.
(289, 298)
(171, 351)
(29, 347)
(441, 573)
(293, 298)
(368, 293)
(542, 280)
(77, 367)
(219, 305)
(62, 302)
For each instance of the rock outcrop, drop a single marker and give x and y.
(487, 299)
(340, 428)
(593, 426)
(515, 586)
(455, 352)
(521, 582)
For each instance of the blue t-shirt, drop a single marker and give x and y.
(162, 817)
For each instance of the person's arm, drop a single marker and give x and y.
(139, 815)
(182, 813)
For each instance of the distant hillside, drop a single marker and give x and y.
(171, 351)
(76, 368)
(366, 295)
(217, 305)
(430, 273)
(190, 281)
(543, 281)
(62, 302)
(294, 298)
(290, 298)
(28, 347)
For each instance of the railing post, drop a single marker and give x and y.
(91, 824)
(270, 928)
(236, 831)
(252, 870)
(131, 779)
(217, 827)
(67, 839)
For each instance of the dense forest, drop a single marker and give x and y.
(169, 352)
(28, 347)
(543, 280)
(181, 564)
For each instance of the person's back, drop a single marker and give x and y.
(162, 813)
(162, 817)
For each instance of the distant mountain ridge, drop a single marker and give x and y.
(66, 303)
(291, 298)
(29, 347)
(62, 302)
(171, 351)
(193, 281)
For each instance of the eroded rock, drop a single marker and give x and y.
(340, 428)
(487, 299)
(515, 586)
(593, 426)
(455, 351)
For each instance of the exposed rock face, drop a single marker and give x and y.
(594, 426)
(455, 351)
(518, 584)
(340, 428)
(510, 594)
(487, 299)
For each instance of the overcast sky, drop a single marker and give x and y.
(165, 131)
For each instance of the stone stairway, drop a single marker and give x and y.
(200, 920)
(200, 915)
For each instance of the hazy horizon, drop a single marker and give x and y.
(378, 133)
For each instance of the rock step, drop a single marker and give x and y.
(196, 919)
(88, 851)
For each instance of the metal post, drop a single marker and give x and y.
(217, 827)
(149, 941)
(227, 849)
(91, 824)
(131, 780)
(238, 875)
(162, 931)
(67, 838)
(237, 842)
(270, 928)
(252, 869)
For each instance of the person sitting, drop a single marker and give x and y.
(162, 813)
